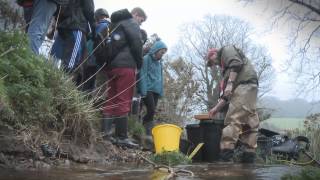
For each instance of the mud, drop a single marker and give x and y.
(17, 154)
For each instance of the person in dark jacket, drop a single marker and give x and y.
(75, 21)
(125, 60)
(91, 66)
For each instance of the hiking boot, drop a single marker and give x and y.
(226, 155)
(248, 157)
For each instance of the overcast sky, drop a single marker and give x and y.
(166, 16)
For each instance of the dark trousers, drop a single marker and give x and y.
(150, 101)
(88, 72)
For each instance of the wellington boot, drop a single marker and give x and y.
(121, 133)
(148, 127)
(248, 157)
(147, 143)
(226, 155)
(106, 125)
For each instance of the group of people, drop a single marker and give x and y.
(128, 66)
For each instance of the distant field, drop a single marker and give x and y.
(285, 123)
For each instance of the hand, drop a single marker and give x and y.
(213, 112)
(228, 90)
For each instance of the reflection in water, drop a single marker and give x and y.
(221, 171)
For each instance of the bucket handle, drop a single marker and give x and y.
(194, 152)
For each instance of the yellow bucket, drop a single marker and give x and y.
(166, 137)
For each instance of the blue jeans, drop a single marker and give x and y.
(43, 11)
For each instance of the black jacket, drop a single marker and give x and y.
(77, 15)
(125, 41)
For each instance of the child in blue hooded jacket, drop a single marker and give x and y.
(150, 86)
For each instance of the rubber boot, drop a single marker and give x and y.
(226, 155)
(147, 140)
(121, 133)
(248, 157)
(106, 129)
(148, 127)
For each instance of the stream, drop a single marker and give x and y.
(221, 171)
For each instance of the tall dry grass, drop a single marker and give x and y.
(39, 99)
(311, 131)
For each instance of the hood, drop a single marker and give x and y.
(120, 15)
(157, 46)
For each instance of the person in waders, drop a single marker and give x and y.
(239, 88)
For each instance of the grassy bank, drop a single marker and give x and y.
(38, 98)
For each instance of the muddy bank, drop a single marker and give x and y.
(16, 153)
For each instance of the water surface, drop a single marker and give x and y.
(221, 171)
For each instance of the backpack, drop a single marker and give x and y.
(102, 49)
(108, 46)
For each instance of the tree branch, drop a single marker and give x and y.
(309, 6)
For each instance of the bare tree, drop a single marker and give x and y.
(303, 19)
(180, 88)
(219, 31)
(262, 62)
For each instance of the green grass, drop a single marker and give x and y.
(38, 98)
(285, 123)
(170, 158)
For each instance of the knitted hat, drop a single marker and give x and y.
(211, 52)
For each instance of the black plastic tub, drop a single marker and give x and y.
(207, 132)
(211, 137)
(185, 146)
(194, 134)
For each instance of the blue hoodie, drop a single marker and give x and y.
(151, 72)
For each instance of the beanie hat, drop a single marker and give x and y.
(210, 53)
